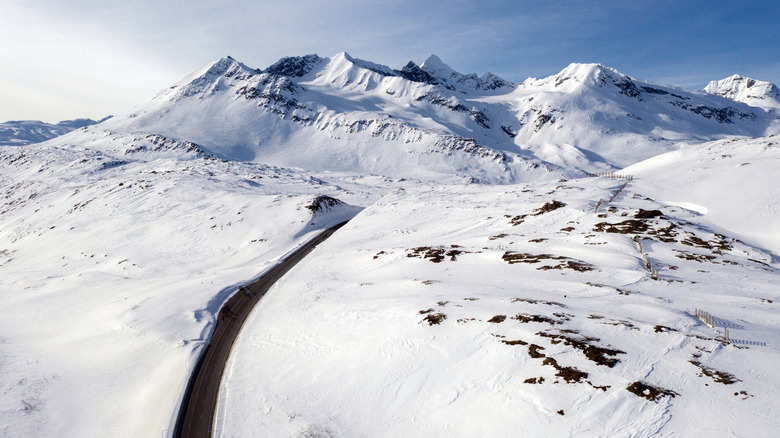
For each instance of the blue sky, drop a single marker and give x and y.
(87, 58)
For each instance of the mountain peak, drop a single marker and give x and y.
(435, 64)
(295, 66)
(596, 75)
(747, 90)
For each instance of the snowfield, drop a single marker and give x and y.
(112, 274)
(431, 314)
(485, 284)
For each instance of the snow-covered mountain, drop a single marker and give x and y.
(343, 113)
(24, 132)
(750, 91)
(560, 305)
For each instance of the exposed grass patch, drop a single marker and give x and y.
(534, 380)
(701, 258)
(647, 214)
(599, 355)
(717, 376)
(569, 374)
(525, 318)
(435, 318)
(663, 329)
(533, 351)
(497, 319)
(629, 226)
(650, 392)
(546, 208)
(512, 257)
(436, 254)
(515, 342)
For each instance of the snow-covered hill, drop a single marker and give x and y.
(24, 132)
(514, 311)
(112, 271)
(732, 185)
(750, 91)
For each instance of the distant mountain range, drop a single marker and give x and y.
(343, 113)
(24, 132)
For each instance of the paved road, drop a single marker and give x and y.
(196, 418)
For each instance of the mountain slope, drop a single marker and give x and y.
(733, 185)
(519, 311)
(589, 112)
(112, 272)
(343, 113)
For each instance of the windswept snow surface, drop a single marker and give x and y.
(112, 269)
(733, 184)
(494, 311)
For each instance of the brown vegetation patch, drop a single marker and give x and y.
(663, 329)
(596, 354)
(540, 240)
(649, 392)
(717, 376)
(629, 226)
(701, 258)
(533, 351)
(435, 318)
(497, 319)
(536, 318)
(436, 254)
(512, 257)
(569, 374)
(665, 234)
(497, 236)
(546, 208)
(534, 380)
(515, 342)
(647, 214)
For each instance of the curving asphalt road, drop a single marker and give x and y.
(196, 417)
